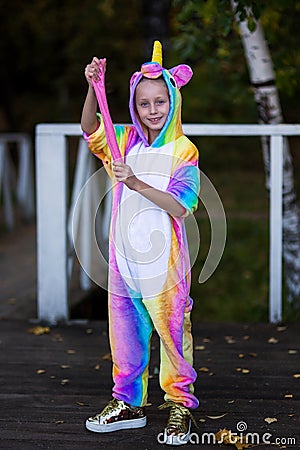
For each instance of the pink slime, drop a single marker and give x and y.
(99, 88)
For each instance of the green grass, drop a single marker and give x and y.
(239, 288)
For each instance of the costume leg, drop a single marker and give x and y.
(172, 322)
(130, 330)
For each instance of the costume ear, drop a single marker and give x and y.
(182, 74)
(133, 78)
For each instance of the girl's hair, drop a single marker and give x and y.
(160, 78)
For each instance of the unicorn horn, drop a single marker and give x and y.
(157, 53)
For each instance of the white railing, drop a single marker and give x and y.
(52, 211)
(16, 177)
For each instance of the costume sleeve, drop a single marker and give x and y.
(184, 184)
(184, 187)
(98, 144)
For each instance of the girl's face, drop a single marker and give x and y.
(152, 105)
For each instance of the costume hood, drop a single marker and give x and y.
(174, 78)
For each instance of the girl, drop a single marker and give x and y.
(155, 185)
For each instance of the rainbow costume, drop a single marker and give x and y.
(149, 267)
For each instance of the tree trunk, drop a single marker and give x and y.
(269, 110)
(156, 24)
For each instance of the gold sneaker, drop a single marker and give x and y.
(178, 429)
(117, 415)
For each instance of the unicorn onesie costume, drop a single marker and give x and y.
(149, 268)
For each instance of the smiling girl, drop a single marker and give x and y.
(155, 186)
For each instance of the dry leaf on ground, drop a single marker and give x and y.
(200, 347)
(227, 437)
(38, 330)
(204, 369)
(292, 352)
(270, 420)
(217, 417)
(230, 340)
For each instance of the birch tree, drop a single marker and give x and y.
(246, 13)
(262, 78)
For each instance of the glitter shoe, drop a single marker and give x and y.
(117, 415)
(178, 429)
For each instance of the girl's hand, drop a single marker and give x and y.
(124, 173)
(94, 69)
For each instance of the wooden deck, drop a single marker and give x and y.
(18, 279)
(50, 383)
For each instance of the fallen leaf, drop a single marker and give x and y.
(71, 352)
(296, 375)
(273, 340)
(227, 437)
(217, 417)
(203, 369)
(243, 370)
(281, 328)
(148, 404)
(81, 404)
(254, 355)
(288, 396)
(202, 420)
(206, 340)
(40, 371)
(229, 340)
(107, 357)
(57, 338)
(292, 352)
(241, 355)
(65, 366)
(59, 422)
(270, 419)
(200, 347)
(64, 381)
(89, 331)
(97, 367)
(38, 330)
(230, 402)
(246, 338)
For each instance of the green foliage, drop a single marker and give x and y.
(204, 30)
(45, 47)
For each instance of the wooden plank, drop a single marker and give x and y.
(43, 410)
